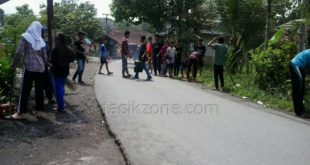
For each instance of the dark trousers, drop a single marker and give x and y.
(27, 82)
(146, 69)
(156, 66)
(48, 85)
(218, 73)
(298, 88)
(192, 63)
(80, 70)
(176, 68)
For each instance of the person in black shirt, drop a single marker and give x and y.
(61, 57)
(156, 55)
(80, 58)
(200, 48)
(178, 58)
(143, 58)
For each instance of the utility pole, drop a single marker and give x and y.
(302, 29)
(268, 13)
(106, 23)
(50, 15)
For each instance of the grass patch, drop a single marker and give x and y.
(247, 88)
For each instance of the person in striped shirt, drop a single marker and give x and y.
(125, 54)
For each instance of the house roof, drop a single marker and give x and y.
(108, 37)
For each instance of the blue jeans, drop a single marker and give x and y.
(80, 69)
(146, 69)
(60, 83)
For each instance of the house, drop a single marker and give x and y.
(134, 40)
(118, 35)
(111, 45)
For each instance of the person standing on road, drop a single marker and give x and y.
(125, 54)
(80, 58)
(62, 56)
(104, 58)
(193, 62)
(143, 58)
(32, 49)
(200, 48)
(219, 60)
(170, 59)
(178, 57)
(298, 66)
(156, 56)
(149, 51)
(164, 54)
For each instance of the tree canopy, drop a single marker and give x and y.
(179, 15)
(16, 24)
(71, 17)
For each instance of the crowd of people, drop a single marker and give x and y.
(49, 71)
(168, 59)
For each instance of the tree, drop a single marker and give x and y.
(243, 23)
(71, 17)
(1, 17)
(15, 25)
(181, 18)
(182, 15)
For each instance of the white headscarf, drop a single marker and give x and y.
(33, 35)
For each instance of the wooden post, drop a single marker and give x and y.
(50, 15)
(268, 13)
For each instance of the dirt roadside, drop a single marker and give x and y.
(78, 136)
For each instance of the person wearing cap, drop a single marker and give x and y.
(219, 60)
(31, 49)
(80, 58)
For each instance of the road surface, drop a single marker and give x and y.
(171, 122)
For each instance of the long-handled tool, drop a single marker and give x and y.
(230, 75)
(12, 106)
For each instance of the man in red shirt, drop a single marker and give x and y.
(149, 50)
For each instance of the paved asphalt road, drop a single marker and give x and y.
(172, 122)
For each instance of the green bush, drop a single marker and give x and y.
(272, 66)
(5, 84)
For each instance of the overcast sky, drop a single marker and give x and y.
(10, 6)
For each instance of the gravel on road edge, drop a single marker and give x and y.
(78, 136)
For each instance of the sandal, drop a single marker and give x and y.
(15, 116)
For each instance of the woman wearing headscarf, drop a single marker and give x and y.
(31, 49)
(61, 57)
